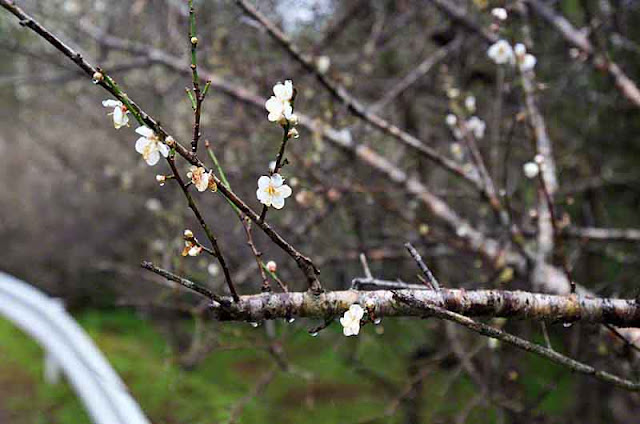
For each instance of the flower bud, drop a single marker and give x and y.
(97, 77)
(188, 234)
(293, 133)
(170, 141)
(194, 41)
(161, 179)
(272, 266)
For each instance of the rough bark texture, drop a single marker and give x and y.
(383, 303)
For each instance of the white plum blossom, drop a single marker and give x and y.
(501, 52)
(531, 169)
(470, 103)
(451, 120)
(150, 146)
(500, 13)
(120, 112)
(272, 191)
(526, 61)
(323, 63)
(351, 320)
(279, 105)
(476, 126)
(201, 178)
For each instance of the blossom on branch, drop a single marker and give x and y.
(501, 53)
(351, 320)
(476, 126)
(526, 61)
(531, 169)
(191, 246)
(279, 105)
(150, 146)
(272, 191)
(202, 179)
(120, 112)
(500, 13)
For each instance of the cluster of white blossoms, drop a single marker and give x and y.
(149, 145)
(473, 125)
(201, 179)
(351, 320)
(271, 188)
(502, 53)
(280, 105)
(272, 191)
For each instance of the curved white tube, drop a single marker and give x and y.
(103, 393)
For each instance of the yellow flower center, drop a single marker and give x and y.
(271, 190)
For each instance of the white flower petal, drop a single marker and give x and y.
(145, 131)
(280, 91)
(153, 158)
(141, 144)
(263, 182)
(164, 149)
(273, 105)
(276, 180)
(277, 202)
(111, 103)
(357, 311)
(288, 90)
(117, 117)
(284, 191)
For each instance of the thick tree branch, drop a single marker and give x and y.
(488, 303)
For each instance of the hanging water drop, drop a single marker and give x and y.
(254, 324)
(290, 320)
(314, 334)
(567, 324)
(377, 321)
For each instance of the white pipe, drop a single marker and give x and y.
(103, 393)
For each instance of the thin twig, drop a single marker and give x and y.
(520, 343)
(423, 267)
(185, 283)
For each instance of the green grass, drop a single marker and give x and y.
(323, 387)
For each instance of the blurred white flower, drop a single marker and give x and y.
(501, 52)
(153, 205)
(451, 119)
(476, 126)
(323, 63)
(531, 169)
(272, 266)
(526, 61)
(272, 191)
(351, 320)
(456, 151)
(213, 269)
(201, 178)
(470, 103)
(272, 166)
(499, 13)
(279, 105)
(150, 146)
(120, 112)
